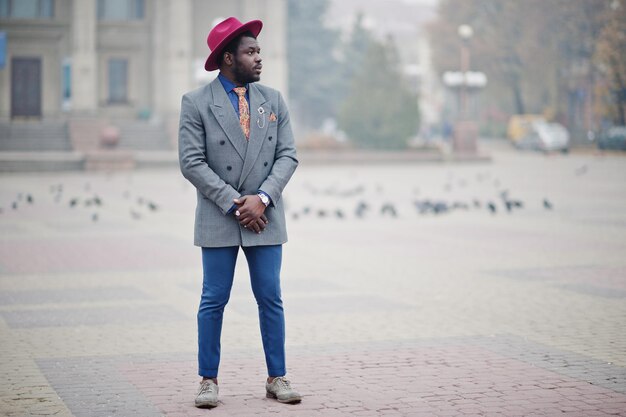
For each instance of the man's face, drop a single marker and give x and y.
(247, 61)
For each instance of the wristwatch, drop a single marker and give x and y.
(264, 199)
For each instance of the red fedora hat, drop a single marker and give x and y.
(223, 33)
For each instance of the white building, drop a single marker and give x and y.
(83, 64)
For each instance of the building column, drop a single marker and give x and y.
(84, 68)
(273, 40)
(172, 60)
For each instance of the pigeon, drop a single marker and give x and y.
(582, 170)
(29, 199)
(94, 217)
(339, 214)
(363, 205)
(14, 205)
(351, 192)
(423, 206)
(140, 201)
(360, 209)
(440, 207)
(460, 205)
(476, 203)
(73, 202)
(491, 207)
(321, 213)
(135, 215)
(389, 208)
(306, 210)
(547, 204)
(152, 206)
(295, 216)
(97, 201)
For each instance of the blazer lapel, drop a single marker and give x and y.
(258, 128)
(227, 118)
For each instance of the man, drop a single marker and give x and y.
(237, 148)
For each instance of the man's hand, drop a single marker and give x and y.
(249, 210)
(259, 225)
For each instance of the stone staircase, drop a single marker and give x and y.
(31, 136)
(75, 145)
(143, 136)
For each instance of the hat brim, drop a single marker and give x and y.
(253, 26)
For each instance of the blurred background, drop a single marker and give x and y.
(82, 76)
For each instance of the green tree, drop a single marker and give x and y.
(313, 70)
(380, 111)
(536, 53)
(610, 58)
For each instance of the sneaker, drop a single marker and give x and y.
(281, 390)
(207, 394)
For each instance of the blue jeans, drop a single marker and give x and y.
(219, 268)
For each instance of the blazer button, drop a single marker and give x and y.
(222, 142)
(270, 138)
(265, 163)
(229, 167)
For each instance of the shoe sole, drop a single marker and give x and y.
(205, 404)
(290, 401)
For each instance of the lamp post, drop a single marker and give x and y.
(465, 33)
(465, 129)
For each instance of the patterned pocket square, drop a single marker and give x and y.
(273, 117)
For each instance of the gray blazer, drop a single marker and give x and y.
(218, 160)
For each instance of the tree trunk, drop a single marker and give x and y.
(620, 95)
(518, 100)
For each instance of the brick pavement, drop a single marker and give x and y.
(461, 313)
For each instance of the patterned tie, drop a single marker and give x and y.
(244, 111)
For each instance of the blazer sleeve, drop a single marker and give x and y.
(285, 159)
(193, 160)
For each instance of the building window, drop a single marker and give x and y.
(66, 84)
(120, 9)
(118, 80)
(26, 9)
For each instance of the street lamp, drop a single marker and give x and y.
(465, 130)
(465, 33)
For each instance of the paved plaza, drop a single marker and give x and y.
(409, 290)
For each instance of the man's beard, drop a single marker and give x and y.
(241, 76)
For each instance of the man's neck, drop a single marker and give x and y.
(230, 78)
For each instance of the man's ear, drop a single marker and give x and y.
(228, 58)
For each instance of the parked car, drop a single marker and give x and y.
(520, 125)
(546, 137)
(613, 138)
